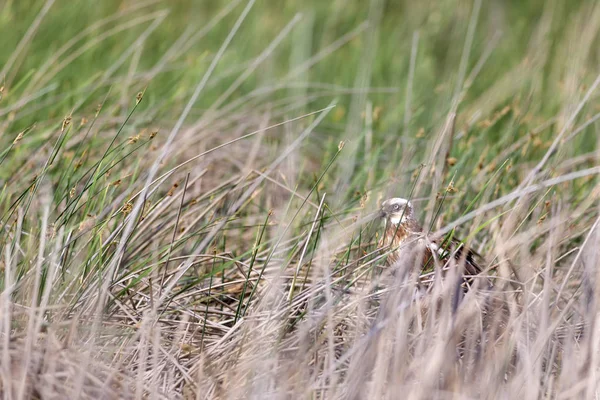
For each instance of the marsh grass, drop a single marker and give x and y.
(189, 188)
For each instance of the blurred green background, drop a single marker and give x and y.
(524, 64)
(441, 25)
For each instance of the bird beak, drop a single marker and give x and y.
(382, 213)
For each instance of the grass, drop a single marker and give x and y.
(188, 190)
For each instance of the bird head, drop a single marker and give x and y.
(397, 210)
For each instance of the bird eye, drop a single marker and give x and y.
(396, 207)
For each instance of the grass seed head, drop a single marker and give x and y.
(127, 208)
(172, 190)
(19, 137)
(66, 122)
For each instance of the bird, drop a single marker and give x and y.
(406, 243)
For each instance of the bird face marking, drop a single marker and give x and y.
(397, 210)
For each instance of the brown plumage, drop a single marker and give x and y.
(407, 244)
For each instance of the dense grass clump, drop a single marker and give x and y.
(188, 193)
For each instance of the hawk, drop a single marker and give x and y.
(405, 241)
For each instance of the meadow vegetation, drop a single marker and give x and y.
(188, 193)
